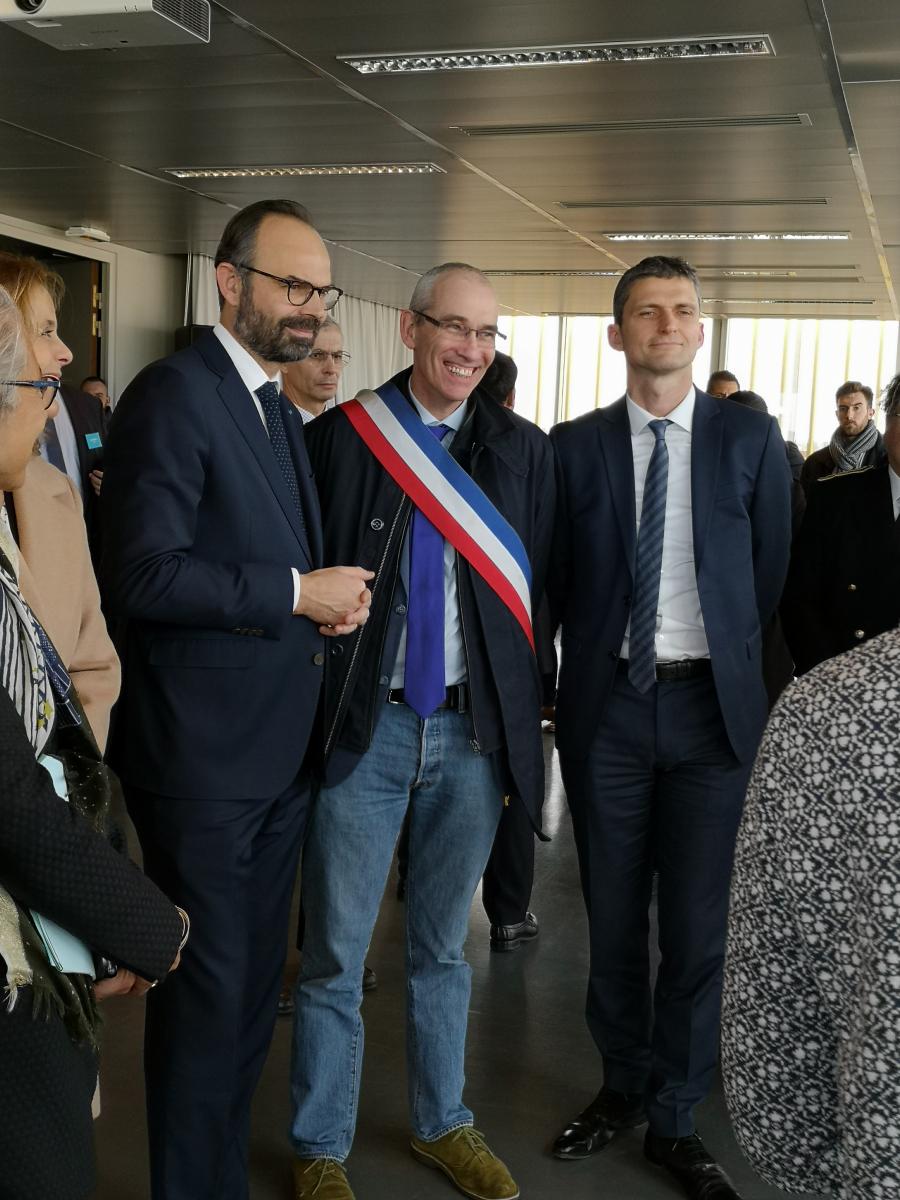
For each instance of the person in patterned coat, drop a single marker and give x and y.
(811, 1008)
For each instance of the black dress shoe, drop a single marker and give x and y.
(692, 1165)
(510, 937)
(370, 980)
(593, 1129)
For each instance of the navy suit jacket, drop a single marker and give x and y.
(741, 513)
(220, 681)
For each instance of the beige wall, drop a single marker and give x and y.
(144, 304)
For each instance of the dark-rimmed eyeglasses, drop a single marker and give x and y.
(338, 357)
(299, 291)
(457, 332)
(43, 386)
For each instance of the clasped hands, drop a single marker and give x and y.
(336, 598)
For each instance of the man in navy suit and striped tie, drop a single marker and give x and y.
(673, 535)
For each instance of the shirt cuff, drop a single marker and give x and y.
(296, 577)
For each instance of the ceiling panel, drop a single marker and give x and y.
(95, 138)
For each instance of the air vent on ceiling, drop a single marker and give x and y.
(746, 46)
(648, 125)
(554, 274)
(738, 202)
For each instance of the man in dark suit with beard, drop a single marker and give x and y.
(213, 550)
(843, 586)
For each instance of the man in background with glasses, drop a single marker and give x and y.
(213, 569)
(432, 710)
(312, 382)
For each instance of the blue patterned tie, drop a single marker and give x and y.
(648, 561)
(270, 399)
(424, 685)
(53, 447)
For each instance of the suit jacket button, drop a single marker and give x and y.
(318, 660)
(851, 587)
(613, 655)
(400, 610)
(859, 633)
(376, 523)
(337, 650)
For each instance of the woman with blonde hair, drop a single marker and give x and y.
(69, 903)
(56, 576)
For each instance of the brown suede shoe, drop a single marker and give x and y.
(322, 1178)
(464, 1157)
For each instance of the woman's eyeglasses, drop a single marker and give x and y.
(47, 387)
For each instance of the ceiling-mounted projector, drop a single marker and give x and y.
(109, 24)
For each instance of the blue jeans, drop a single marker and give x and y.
(454, 796)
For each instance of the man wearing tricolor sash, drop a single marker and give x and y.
(434, 711)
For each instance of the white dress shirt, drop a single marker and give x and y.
(895, 490)
(253, 377)
(454, 650)
(679, 622)
(68, 444)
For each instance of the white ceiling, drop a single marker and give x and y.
(85, 138)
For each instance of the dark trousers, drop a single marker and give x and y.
(659, 790)
(509, 875)
(231, 865)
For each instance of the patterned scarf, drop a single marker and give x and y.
(40, 688)
(849, 455)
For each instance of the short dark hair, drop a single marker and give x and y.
(722, 377)
(238, 239)
(91, 379)
(657, 266)
(749, 400)
(891, 401)
(500, 377)
(853, 385)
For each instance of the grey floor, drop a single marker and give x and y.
(531, 1064)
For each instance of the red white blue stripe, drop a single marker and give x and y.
(451, 499)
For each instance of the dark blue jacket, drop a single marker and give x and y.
(365, 516)
(220, 681)
(740, 499)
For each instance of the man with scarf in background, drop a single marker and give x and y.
(854, 444)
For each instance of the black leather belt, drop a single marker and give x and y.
(676, 672)
(455, 698)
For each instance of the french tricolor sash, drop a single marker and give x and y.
(449, 498)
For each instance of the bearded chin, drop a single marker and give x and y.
(270, 340)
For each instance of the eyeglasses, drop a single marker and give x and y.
(338, 357)
(457, 332)
(299, 291)
(43, 386)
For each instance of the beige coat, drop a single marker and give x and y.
(57, 580)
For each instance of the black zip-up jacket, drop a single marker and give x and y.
(365, 516)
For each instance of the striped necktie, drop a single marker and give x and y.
(270, 399)
(648, 562)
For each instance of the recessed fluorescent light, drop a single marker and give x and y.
(735, 203)
(726, 237)
(786, 301)
(760, 274)
(411, 168)
(642, 125)
(749, 46)
(554, 274)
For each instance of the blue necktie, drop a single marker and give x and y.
(54, 449)
(648, 562)
(424, 687)
(270, 399)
